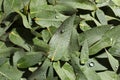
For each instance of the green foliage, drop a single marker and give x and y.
(59, 40)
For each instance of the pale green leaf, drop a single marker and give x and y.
(84, 56)
(113, 62)
(101, 17)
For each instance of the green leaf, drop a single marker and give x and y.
(12, 5)
(113, 62)
(24, 19)
(48, 15)
(86, 4)
(108, 75)
(101, 17)
(6, 52)
(18, 40)
(93, 35)
(84, 56)
(59, 43)
(2, 45)
(66, 72)
(117, 2)
(30, 59)
(40, 73)
(40, 45)
(91, 74)
(48, 33)
(94, 65)
(76, 67)
(10, 72)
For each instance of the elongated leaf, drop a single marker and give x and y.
(30, 59)
(25, 21)
(101, 16)
(84, 53)
(10, 72)
(87, 5)
(68, 70)
(59, 43)
(113, 62)
(76, 66)
(65, 73)
(16, 39)
(93, 35)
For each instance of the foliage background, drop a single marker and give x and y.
(59, 39)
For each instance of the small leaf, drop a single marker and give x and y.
(30, 59)
(76, 67)
(113, 62)
(40, 45)
(65, 73)
(101, 16)
(68, 70)
(17, 40)
(25, 21)
(41, 72)
(84, 56)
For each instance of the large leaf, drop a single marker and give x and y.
(59, 43)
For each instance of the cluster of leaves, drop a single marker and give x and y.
(59, 39)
